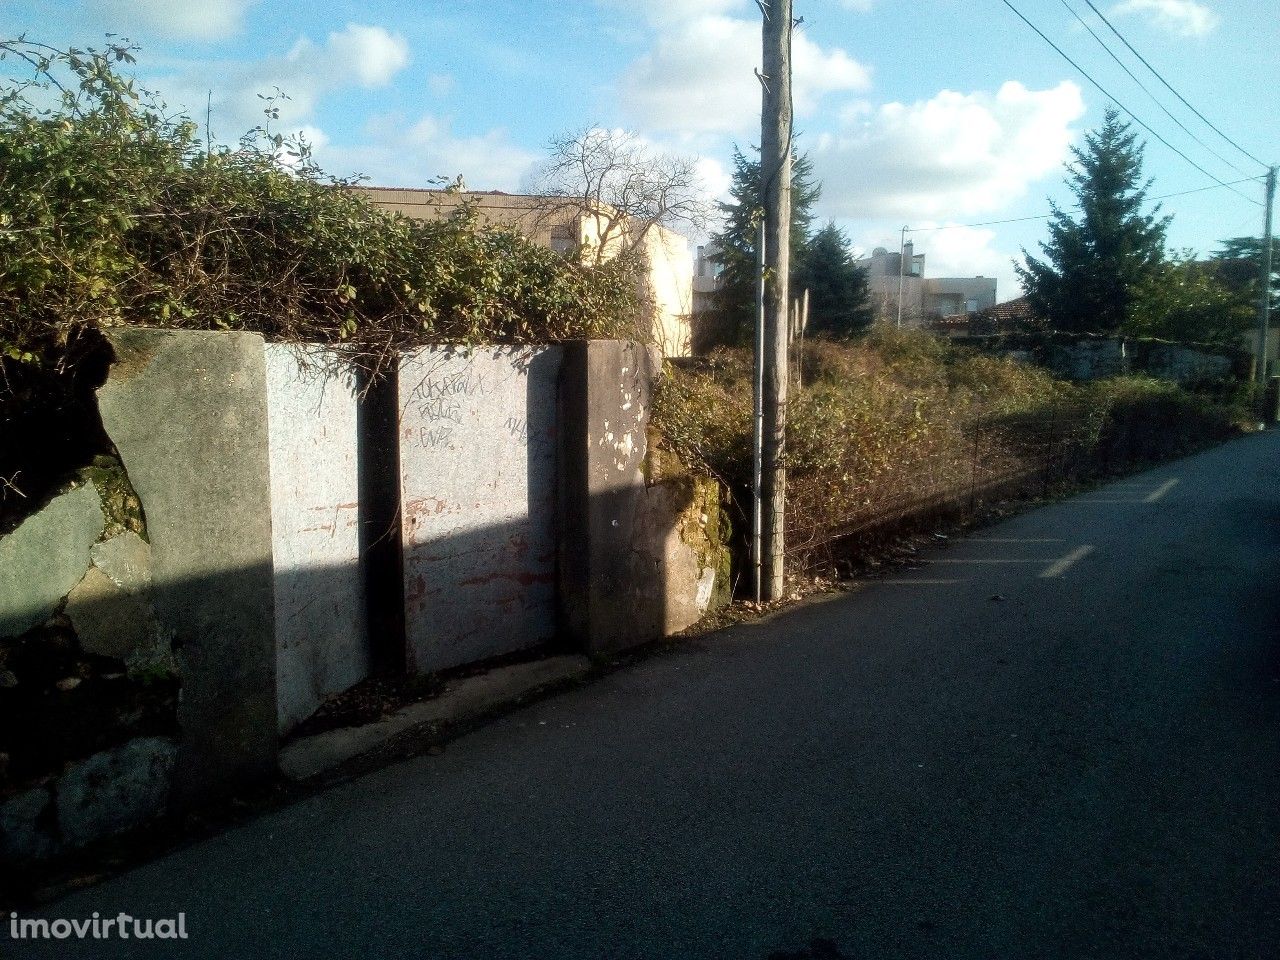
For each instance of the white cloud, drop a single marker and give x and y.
(206, 20)
(372, 54)
(357, 56)
(716, 178)
(954, 155)
(668, 13)
(401, 154)
(1186, 18)
(699, 76)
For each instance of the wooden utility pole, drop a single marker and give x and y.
(775, 181)
(1264, 307)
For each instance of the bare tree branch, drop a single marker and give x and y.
(622, 186)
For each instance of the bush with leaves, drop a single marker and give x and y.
(112, 211)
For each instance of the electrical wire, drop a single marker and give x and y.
(1043, 36)
(1169, 86)
(1123, 66)
(1046, 216)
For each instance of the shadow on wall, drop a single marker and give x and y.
(131, 698)
(162, 653)
(478, 464)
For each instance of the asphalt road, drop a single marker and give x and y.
(1088, 767)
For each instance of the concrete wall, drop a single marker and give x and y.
(555, 228)
(953, 295)
(321, 639)
(187, 412)
(884, 298)
(217, 573)
(671, 283)
(478, 482)
(921, 296)
(630, 571)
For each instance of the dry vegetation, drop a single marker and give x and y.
(899, 424)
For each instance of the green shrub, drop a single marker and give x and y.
(112, 211)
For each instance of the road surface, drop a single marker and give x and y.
(1087, 766)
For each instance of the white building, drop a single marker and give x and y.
(923, 298)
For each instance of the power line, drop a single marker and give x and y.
(985, 223)
(1123, 66)
(1046, 216)
(1116, 100)
(1169, 87)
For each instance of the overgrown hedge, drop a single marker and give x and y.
(113, 211)
(899, 423)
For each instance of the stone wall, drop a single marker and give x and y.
(88, 701)
(1083, 357)
(1169, 361)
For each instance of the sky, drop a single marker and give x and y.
(945, 114)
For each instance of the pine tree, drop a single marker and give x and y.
(736, 297)
(839, 297)
(1098, 264)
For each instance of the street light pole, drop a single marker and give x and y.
(757, 426)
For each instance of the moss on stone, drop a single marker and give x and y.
(120, 502)
(703, 522)
(704, 527)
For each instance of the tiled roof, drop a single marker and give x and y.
(1010, 311)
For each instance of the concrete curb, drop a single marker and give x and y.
(463, 701)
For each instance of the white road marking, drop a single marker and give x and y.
(1161, 490)
(1014, 540)
(1063, 564)
(979, 560)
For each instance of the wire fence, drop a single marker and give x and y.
(991, 460)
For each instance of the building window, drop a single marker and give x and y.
(562, 240)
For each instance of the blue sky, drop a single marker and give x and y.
(932, 114)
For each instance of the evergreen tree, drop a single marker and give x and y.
(839, 296)
(736, 298)
(1098, 264)
(1239, 266)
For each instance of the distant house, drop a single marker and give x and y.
(564, 226)
(924, 299)
(706, 276)
(1008, 317)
